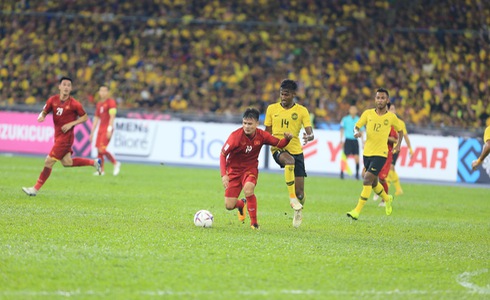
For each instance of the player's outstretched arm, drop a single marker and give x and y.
(41, 117)
(308, 135)
(407, 140)
(484, 153)
(284, 141)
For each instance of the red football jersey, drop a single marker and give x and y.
(242, 152)
(63, 112)
(102, 111)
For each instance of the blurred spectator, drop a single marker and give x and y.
(223, 56)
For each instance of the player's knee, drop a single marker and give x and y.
(248, 192)
(49, 162)
(229, 206)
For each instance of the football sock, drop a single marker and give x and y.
(43, 177)
(378, 189)
(289, 177)
(239, 204)
(366, 192)
(357, 169)
(80, 162)
(252, 208)
(396, 181)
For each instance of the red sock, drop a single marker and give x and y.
(81, 162)
(239, 204)
(43, 177)
(110, 157)
(252, 209)
(385, 185)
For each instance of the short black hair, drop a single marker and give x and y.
(104, 85)
(65, 78)
(251, 113)
(289, 85)
(382, 90)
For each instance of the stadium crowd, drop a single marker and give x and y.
(223, 56)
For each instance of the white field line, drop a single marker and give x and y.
(223, 293)
(464, 280)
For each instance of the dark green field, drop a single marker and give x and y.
(133, 237)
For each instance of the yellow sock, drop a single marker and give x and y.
(396, 182)
(289, 177)
(366, 192)
(381, 192)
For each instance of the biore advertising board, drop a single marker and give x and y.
(190, 143)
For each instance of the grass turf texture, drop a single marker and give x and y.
(132, 237)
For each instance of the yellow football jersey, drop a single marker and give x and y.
(288, 120)
(377, 131)
(486, 135)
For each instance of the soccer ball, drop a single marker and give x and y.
(203, 218)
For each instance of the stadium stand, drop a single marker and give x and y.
(218, 57)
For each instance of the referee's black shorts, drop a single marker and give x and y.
(351, 147)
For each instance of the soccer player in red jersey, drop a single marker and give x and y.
(239, 164)
(67, 113)
(105, 112)
(383, 174)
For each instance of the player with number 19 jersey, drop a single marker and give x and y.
(63, 112)
(242, 153)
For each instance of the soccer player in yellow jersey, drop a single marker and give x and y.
(288, 116)
(484, 151)
(378, 122)
(393, 176)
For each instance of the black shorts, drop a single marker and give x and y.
(351, 147)
(299, 162)
(374, 164)
(395, 157)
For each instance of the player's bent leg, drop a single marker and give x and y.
(231, 203)
(300, 189)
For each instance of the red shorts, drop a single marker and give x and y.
(238, 180)
(386, 167)
(60, 150)
(102, 140)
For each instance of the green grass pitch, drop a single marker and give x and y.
(133, 237)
